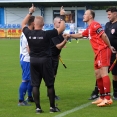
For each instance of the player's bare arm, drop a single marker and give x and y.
(106, 40)
(62, 44)
(77, 35)
(25, 20)
(62, 24)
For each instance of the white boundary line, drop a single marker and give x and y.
(78, 60)
(73, 110)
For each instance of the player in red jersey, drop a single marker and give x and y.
(102, 50)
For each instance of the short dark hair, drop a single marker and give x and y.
(112, 9)
(92, 13)
(31, 20)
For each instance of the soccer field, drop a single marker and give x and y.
(73, 85)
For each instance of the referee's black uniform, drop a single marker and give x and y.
(56, 52)
(111, 31)
(40, 61)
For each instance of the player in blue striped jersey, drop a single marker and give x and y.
(25, 65)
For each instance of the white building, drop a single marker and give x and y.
(13, 11)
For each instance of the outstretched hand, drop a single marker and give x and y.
(32, 9)
(62, 11)
(66, 36)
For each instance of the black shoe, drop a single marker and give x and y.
(57, 97)
(93, 97)
(55, 109)
(38, 111)
(29, 99)
(115, 96)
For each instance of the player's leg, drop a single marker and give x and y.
(29, 87)
(100, 86)
(103, 64)
(70, 38)
(24, 84)
(94, 93)
(114, 83)
(107, 87)
(48, 77)
(36, 78)
(55, 62)
(100, 73)
(29, 91)
(114, 75)
(77, 40)
(36, 95)
(22, 92)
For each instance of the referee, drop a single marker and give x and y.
(57, 43)
(111, 31)
(40, 57)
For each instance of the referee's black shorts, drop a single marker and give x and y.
(41, 68)
(114, 70)
(55, 62)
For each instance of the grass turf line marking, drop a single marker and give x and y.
(73, 110)
(77, 60)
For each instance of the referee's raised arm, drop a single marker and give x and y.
(62, 24)
(25, 20)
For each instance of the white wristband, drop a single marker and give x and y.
(30, 13)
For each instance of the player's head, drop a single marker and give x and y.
(39, 21)
(57, 22)
(31, 22)
(88, 15)
(112, 13)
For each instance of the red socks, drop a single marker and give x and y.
(104, 86)
(107, 86)
(100, 87)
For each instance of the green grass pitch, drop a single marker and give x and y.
(73, 85)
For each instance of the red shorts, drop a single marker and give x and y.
(103, 58)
